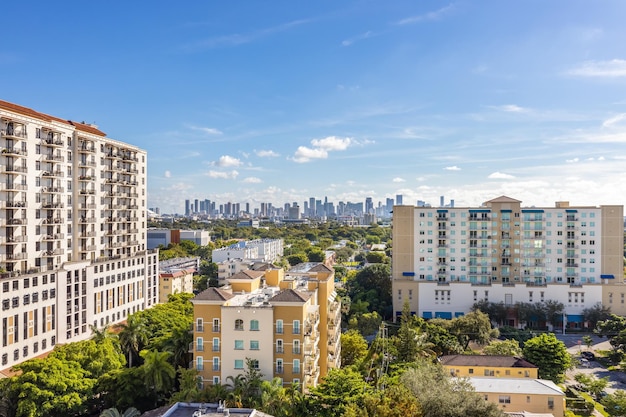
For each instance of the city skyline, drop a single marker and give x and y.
(353, 100)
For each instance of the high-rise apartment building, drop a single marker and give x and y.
(72, 232)
(446, 259)
(287, 324)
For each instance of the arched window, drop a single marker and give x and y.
(238, 324)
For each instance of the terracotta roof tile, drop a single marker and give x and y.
(213, 294)
(247, 274)
(486, 360)
(320, 268)
(290, 295)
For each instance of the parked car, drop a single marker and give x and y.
(588, 355)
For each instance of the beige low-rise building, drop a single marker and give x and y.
(489, 366)
(175, 282)
(287, 324)
(521, 394)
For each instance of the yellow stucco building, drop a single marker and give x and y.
(466, 366)
(286, 323)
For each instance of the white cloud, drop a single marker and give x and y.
(357, 38)
(228, 161)
(321, 147)
(615, 120)
(223, 174)
(332, 143)
(511, 108)
(304, 154)
(452, 168)
(207, 130)
(266, 154)
(167, 174)
(572, 161)
(428, 16)
(252, 180)
(398, 179)
(610, 69)
(500, 176)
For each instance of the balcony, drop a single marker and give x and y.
(199, 347)
(57, 236)
(14, 130)
(15, 239)
(16, 222)
(87, 220)
(88, 248)
(87, 192)
(86, 178)
(52, 174)
(14, 186)
(52, 190)
(84, 148)
(53, 142)
(53, 252)
(17, 256)
(86, 164)
(16, 204)
(87, 206)
(14, 169)
(13, 151)
(52, 220)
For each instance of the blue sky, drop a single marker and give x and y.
(278, 101)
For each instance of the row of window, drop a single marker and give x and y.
(25, 350)
(27, 282)
(240, 363)
(27, 299)
(253, 326)
(253, 345)
(505, 216)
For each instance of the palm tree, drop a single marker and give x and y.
(99, 335)
(158, 372)
(132, 338)
(178, 345)
(114, 412)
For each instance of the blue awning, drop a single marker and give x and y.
(506, 211)
(607, 276)
(408, 274)
(459, 314)
(443, 315)
(427, 315)
(442, 211)
(480, 211)
(575, 318)
(532, 211)
(571, 211)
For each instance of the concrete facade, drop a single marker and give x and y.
(446, 259)
(72, 232)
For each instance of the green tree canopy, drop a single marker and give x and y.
(353, 348)
(550, 355)
(503, 347)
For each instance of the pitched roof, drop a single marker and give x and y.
(320, 268)
(501, 361)
(516, 385)
(247, 274)
(47, 118)
(213, 294)
(290, 295)
(503, 199)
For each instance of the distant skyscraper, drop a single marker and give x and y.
(369, 205)
(398, 199)
(389, 205)
(187, 207)
(441, 201)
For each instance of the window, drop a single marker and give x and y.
(551, 402)
(296, 346)
(216, 363)
(216, 325)
(238, 344)
(279, 366)
(489, 372)
(254, 363)
(279, 346)
(296, 366)
(296, 327)
(279, 326)
(504, 399)
(238, 324)
(254, 345)
(216, 344)
(238, 363)
(254, 325)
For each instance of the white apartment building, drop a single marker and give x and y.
(72, 232)
(261, 250)
(446, 259)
